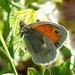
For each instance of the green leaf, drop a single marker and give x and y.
(62, 70)
(65, 52)
(73, 65)
(8, 74)
(46, 72)
(10, 46)
(65, 69)
(58, 1)
(27, 16)
(3, 54)
(5, 5)
(32, 71)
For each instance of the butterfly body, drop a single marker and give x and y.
(42, 40)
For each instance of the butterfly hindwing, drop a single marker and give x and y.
(40, 47)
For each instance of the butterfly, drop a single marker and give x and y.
(43, 40)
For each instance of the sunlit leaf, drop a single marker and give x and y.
(8, 74)
(10, 46)
(27, 16)
(32, 71)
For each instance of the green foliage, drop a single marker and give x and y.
(65, 52)
(62, 69)
(32, 71)
(12, 44)
(27, 16)
(5, 5)
(46, 72)
(8, 74)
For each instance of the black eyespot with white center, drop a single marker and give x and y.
(56, 31)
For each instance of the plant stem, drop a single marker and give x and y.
(6, 49)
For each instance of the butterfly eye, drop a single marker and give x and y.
(56, 31)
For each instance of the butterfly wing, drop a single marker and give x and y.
(41, 48)
(62, 30)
